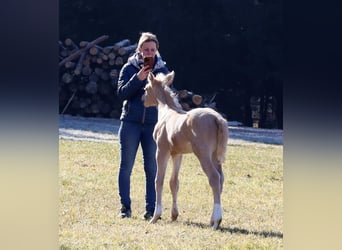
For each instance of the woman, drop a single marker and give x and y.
(137, 122)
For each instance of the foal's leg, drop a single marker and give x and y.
(214, 178)
(174, 184)
(219, 169)
(162, 159)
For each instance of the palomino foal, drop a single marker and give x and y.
(202, 131)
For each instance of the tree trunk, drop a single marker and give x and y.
(80, 51)
(120, 44)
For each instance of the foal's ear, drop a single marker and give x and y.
(150, 77)
(169, 78)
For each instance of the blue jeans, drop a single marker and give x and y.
(130, 136)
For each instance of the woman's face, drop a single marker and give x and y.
(148, 49)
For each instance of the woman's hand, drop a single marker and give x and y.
(143, 73)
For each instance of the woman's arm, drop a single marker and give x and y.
(128, 83)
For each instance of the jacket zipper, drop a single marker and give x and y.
(143, 118)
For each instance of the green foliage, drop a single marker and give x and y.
(252, 202)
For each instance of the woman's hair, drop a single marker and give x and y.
(147, 37)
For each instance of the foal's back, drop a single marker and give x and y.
(195, 130)
(203, 124)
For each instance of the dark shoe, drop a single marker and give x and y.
(125, 212)
(148, 215)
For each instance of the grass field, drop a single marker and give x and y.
(252, 201)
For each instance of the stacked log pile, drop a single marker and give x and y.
(189, 100)
(88, 75)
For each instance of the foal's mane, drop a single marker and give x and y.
(170, 96)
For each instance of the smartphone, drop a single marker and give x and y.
(149, 61)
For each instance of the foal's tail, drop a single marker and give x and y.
(222, 138)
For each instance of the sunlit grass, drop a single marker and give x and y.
(252, 202)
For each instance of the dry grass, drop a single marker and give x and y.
(89, 204)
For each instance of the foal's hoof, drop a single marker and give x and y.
(215, 224)
(155, 219)
(174, 216)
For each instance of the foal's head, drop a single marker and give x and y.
(155, 87)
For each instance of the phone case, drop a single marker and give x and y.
(149, 61)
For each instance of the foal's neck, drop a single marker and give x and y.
(167, 101)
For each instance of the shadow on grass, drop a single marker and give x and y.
(234, 230)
